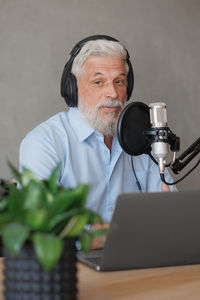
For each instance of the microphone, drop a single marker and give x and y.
(158, 120)
(143, 129)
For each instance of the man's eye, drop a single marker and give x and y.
(98, 82)
(120, 81)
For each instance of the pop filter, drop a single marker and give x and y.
(132, 123)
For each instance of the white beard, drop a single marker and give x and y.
(106, 127)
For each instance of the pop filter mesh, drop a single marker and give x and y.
(132, 123)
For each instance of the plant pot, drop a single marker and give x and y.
(26, 279)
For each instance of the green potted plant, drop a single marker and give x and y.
(40, 222)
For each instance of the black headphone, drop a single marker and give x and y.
(69, 90)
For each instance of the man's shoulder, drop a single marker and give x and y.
(55, 122)
(58, 120)
(56, 125)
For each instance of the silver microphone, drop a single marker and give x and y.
(158, 120)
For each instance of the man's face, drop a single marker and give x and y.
(102, 87)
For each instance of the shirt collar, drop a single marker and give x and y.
(83, 130)
(81, 127)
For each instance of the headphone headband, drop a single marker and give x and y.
(69, 88)
(77, 48)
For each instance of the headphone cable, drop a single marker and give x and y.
(137, 181)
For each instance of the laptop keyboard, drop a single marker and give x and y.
(94, 260)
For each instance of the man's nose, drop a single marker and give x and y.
(112, 91)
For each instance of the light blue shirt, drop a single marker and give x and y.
(67, 139)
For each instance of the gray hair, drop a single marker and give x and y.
(98, 48)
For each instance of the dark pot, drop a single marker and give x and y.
(26, 279)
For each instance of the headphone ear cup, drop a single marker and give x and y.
(130, 80)
(69, 90)
(71, 97)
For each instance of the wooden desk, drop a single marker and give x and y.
(145, 284)
(148, 284)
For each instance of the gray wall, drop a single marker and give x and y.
(163, 38)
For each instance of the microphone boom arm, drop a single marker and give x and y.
(180, 163)
(166, 135)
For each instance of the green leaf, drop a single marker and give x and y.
(14, 171)
(5, 218)
(38, 219)
(34, 196)
(27, 176)
(85, 241)
(12, 201)
(97, 232)
(15, 206)
(78, 196)
(50, 198)
(48, 249)
(57, 219)
(43, 207)
(53, 180)
(61, 202)
(66, 216)
(93, 217)
(3, 204)
(67, 199)
(88, 235)
(14, 236)
(60, 220)
(75, 226)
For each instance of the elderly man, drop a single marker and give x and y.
(96, 83)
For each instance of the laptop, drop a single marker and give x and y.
(150, 230)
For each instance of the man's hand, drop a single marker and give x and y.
(98, 242)
(164, 187)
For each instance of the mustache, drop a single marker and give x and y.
(110, 103)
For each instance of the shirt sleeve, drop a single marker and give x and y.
(38, 154)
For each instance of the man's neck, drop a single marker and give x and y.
(108, 141)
